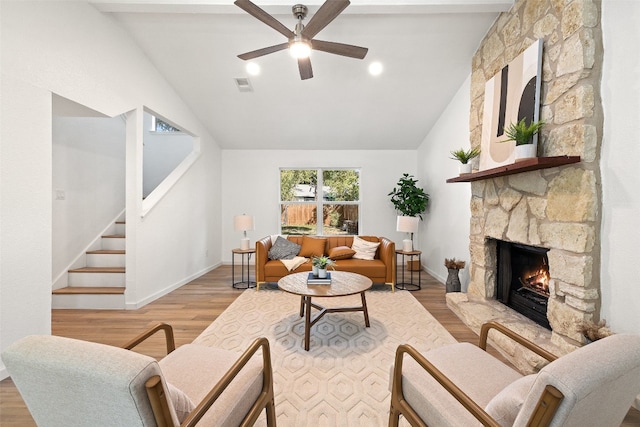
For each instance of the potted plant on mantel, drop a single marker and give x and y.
(411, 201)
(464, 157)
(523, 134)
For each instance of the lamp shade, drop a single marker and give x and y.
(407, 224)
(243, 222)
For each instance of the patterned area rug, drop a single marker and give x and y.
(343, 380)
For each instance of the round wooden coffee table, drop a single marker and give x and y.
(342, 284)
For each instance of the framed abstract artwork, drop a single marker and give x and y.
(512, 94)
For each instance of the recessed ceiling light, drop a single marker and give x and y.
(253, 68)
(375, 68)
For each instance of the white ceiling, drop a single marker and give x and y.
(425, 47)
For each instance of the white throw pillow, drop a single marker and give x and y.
(505, 406)
(364, 249)
(181, 402)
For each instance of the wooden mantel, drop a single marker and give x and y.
(517, 167)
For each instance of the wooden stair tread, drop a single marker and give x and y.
(98, 270)
(114, 236)
(107, 251)
(80, 290)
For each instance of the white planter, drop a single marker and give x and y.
(465, 168)
(314, 270)
(526, 151)
(322, 273)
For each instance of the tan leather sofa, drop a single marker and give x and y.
(382, 269)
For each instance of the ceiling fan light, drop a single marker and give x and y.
(300, 49)
(253, 68)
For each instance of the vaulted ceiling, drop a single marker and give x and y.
(425, 47)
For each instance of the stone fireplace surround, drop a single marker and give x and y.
(558, 208)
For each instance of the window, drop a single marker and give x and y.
(158, 125)
(334, 193)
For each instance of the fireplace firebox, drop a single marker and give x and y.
(522, 281)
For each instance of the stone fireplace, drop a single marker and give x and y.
(556, 208)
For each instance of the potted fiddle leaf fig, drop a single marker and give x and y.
(465, 157)
(523, 133)
(411, 201)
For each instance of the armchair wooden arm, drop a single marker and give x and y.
(484, 335)
(265, 399)
(399, 404)
(168, 333)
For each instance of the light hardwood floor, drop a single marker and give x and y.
(190, 309)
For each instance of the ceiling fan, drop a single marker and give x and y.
(301, 40)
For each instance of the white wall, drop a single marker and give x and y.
(446, 231)
(25, 211)
(88, 167)
(251, 180)
(71, 49)
(620, 269)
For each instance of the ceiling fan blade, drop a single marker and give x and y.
(263, 16)
(327, 13)
(340, 49)
(264, 51)
(304, 65)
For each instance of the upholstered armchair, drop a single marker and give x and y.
(68, 382)
(462, 385)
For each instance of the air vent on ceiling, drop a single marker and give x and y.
(244, 84)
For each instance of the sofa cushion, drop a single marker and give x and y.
(283, 249)
(364, 250)
(312, 246)
(340, 252)
(369, 268)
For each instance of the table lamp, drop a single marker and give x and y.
(407, 224)
(243, 223)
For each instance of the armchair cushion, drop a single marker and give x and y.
(364, 249)
(312, 246)
(479, 374)
(505, 406)
(283, 249)
(212, 363)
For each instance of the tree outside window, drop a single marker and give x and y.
(335, 193)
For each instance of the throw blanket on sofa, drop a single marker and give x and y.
(294, 263)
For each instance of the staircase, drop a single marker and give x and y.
(100, 284)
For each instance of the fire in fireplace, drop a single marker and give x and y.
(523, 279)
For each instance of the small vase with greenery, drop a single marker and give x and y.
(321, 263)
(522, 133)
(464, 157)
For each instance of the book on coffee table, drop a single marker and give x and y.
(315, 280)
